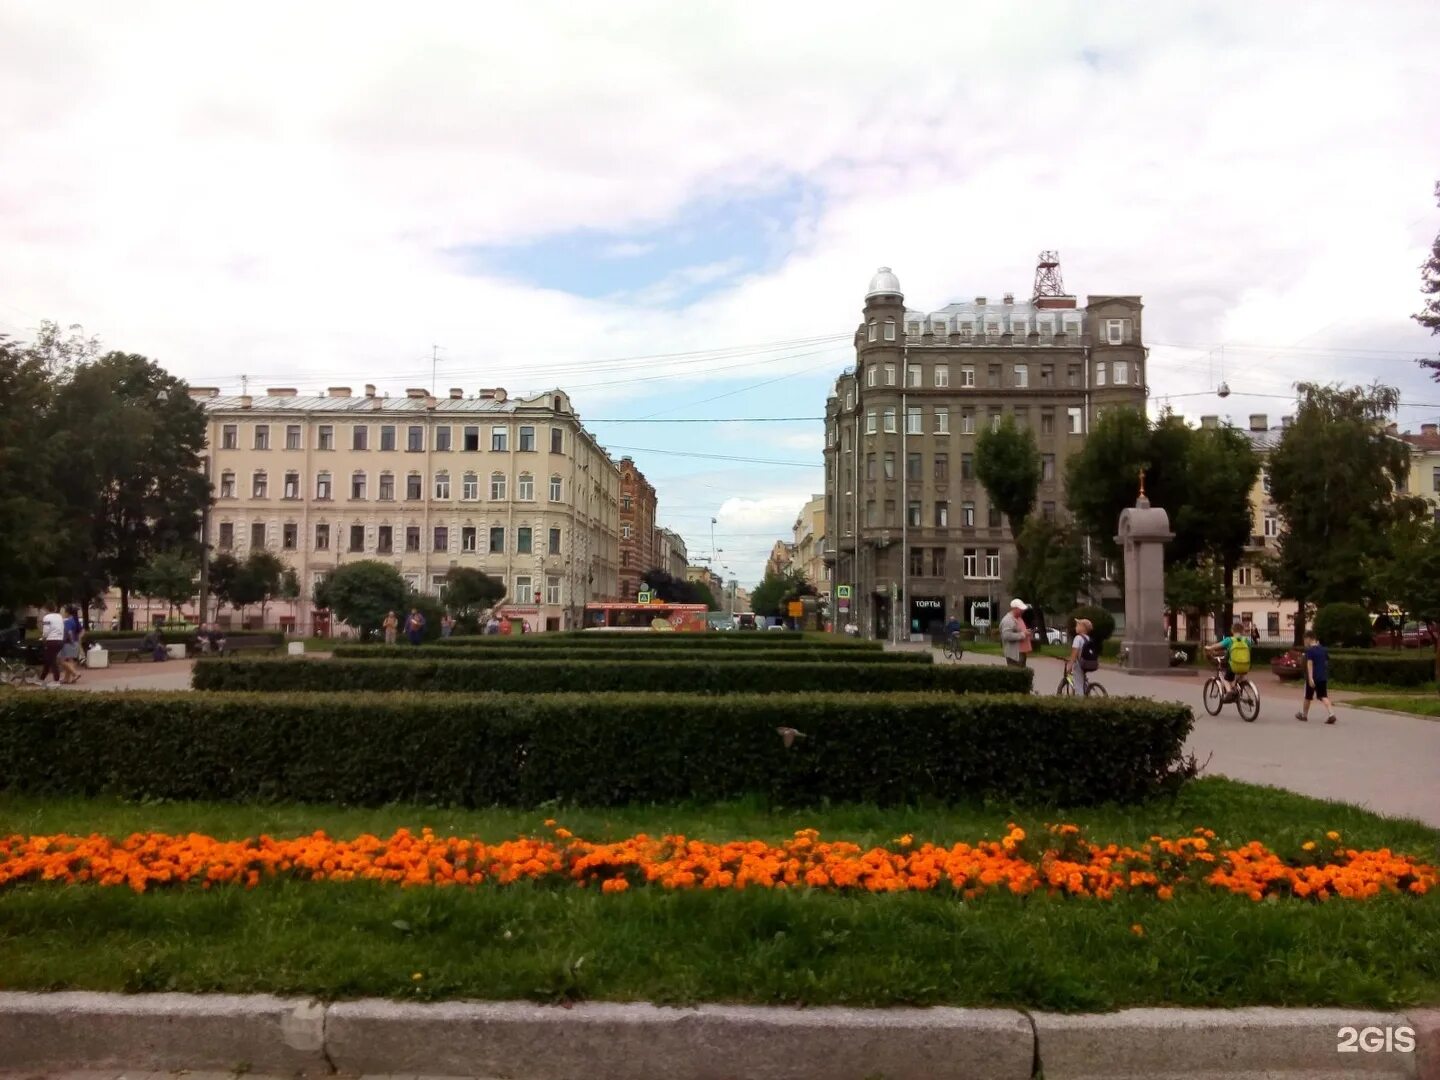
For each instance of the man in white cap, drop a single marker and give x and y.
(1015, 635)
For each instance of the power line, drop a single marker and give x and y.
(716, 457)
(706, 420)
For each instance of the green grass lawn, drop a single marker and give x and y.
(808, 947)
(995, 648)
(1419, 704)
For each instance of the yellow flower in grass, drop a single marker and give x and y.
(1309, 845)
(1332, 835)
(1137, 929)
(417, 976)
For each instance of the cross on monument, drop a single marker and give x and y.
(1142, 482)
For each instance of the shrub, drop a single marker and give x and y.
(1382, 667)
(1344, 626)
(640, 639)
(598, 675)
(626, 656)
(591, 749)
(1103, 620)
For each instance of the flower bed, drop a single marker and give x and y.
(1061, 863)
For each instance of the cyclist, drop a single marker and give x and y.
(1236, 649)
(1084, 657)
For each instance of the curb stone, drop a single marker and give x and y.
(1426, 1023)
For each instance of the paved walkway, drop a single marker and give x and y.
(137, 675)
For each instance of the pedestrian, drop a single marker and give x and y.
(70, 646)
(447, 626)
(154, 644)
(415, 626)
(1317, 678)
(52, 640)
(492, 625)
(390, 624)
(1015, 635)
(1084, 657)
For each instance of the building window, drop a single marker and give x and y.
(967, 377)
(870, 512)
(385, 540)
(889, 329)
(229, 437)
(890, 512)
(912, 468)
(942, 514)
(889, 374)
(913, 420)
(1047, 376)
(970, 563)
(497, 487)
(1242, 576)
(471, 439)
(554, 547)
(442, 438)
(292, 437)
(357, 486)
(412, 538)
(552, 589)
(557, 440)
(257, 535)
(470, 487)
(1047, 467)
(360, 438)
(1272, 525)
(292, 485)
(992, 376)
(1018, 326)
(942, 420)
(555, 489)
(937, 562)
(967, 466)
(967, 515)
(1047, 511)
(227, 485)
(467, 539)
(289, 536)
(387, 487)
(1047, 421)
(525, 488)
(874, 334)
(942, 468)
(869, 466)
(499, 437)
(1022, 417)
(917, 562)
(966, 330)
(1107, 569)
(524, 589)
(889, 415)
(1115, 331)
(1072, 418)
(442, 486)
(442, 538)
(967, 421)
(357, 537)
(996, 413)
(414, 438)
(524, 540)
(625, 532)
(1122, 373)
(1022, 376)
(1073, 376)
(414, 487)
(624, 559)
(912, 329)
(870, 373)
(992, 564)
(869, 421)
(849, 398)
(912, 375)
(1101, 371)
(994, 516)
(262, 436)
(527, 438)
(387, 437)
(227, 536)
(322, 537)
(626, 503)
(889, 465)
(259, 486)
(326, 437)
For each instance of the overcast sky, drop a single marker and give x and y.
(673, 210)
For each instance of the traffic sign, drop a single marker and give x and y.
(797, 609)
(644, 597)
(842, 592)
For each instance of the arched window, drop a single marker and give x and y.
(497, 487)
(525, 488)
(874, 330)
(555, 489)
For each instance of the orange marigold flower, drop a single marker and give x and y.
(1137, 929)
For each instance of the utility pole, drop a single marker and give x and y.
(205, 546)
(434, 361)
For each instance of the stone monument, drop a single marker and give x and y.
(1144, 532)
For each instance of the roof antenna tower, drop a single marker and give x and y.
(1048, 281)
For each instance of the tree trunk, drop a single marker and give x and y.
(1299, 622)
(127, 617)
(1229, 604)
(1435, 639)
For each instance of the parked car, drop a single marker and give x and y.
(1412, 635)
(1055, 636)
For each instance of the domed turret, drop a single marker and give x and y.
(884, 283)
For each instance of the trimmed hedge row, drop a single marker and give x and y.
(181, 637)
(593, 749)
(542, 676)
(1383, 666)
(626, 656)
(601, 639)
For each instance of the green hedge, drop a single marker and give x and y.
(590, 749)
(600, 639)
(627, 656)
(1385, 667)
(541, 676)
(182, 637)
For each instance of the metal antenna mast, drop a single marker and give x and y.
(1048, 281)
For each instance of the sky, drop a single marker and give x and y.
(673, 211)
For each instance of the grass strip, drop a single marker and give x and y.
(1416, 706)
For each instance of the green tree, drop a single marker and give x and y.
(1007, 464)
(289, 585)
(34, 522)
(777, 589)
(361, 593)
(224, 570)
(1051, 570)
(264, 573)
(1103, 478)
(469, 593)
(1409, 577)
(705, 595)
(1216, 521)
(1429, 314)
(169, 576)
(1333, 477)
(1195, 590)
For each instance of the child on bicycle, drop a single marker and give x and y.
(1078, 664)
(1236, 649)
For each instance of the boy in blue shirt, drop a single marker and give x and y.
(1317, 675)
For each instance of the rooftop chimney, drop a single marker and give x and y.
(1009, 298)
(414, 393)
(369, 389)
(1392, 429)
(199, 393)
(1429, 429)
(1259, 422)
(1209, 421)
(245, 401)
(1286, 421)
(338, 391)
(282, 391)
(491, 393)
(456, 393)
(979, 301)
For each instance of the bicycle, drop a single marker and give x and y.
(1247, 694)
(1067, 687)
(16, 672)
(954, 648)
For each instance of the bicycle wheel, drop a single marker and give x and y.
(1066, 687)
(1248, 702)
(1094, 689)
(1211, 695)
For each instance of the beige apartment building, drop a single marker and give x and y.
(671, 554)
(516, 488)
(909, 527)
(809, 543)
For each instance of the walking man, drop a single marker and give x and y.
(1015, 635)
(1317, 677)
(52, 638)
(390, 624)
(415, 626)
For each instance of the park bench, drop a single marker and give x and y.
(134, 648)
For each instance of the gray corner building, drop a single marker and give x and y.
(913, 531)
